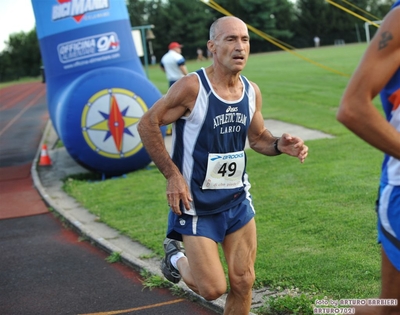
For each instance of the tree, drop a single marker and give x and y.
(311, 21)
(284, 17)
(21, 56)
(379, 8)
(330, 23)
(137, 12)
(344, 24)
(188, 21)
(6, 73)
(173, 23)
(272, 17)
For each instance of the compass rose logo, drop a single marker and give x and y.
(109, 122)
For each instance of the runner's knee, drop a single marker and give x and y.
(212, 292)
(242, 284)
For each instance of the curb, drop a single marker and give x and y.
(109, 240)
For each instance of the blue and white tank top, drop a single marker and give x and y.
(208, 148)
(390, 97)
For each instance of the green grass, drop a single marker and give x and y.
(315, 221)
(114, 257)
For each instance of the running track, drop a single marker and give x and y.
(23, 116)
(44, 268)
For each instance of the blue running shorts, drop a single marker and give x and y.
(215, 226)
(388, 208)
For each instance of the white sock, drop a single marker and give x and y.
(175, 258)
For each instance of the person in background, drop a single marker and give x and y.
(316, 41)
(153, 59)
(173, 64)
(200, 56)
(213, 111)
(379, 72)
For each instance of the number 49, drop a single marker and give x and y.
(227, 168)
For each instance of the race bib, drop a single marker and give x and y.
(224, 170)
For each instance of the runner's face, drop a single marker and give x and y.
(232, 44)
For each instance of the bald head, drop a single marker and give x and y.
(214, 28)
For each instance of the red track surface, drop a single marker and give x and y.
(23, 115)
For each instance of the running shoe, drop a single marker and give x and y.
(171, 247)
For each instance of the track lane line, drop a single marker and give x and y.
(137, 308)
(31, 88)
(27, 106)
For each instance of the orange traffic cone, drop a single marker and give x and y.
(44, 157)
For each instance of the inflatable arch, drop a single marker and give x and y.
(97, 89)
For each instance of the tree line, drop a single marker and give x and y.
(188, 22)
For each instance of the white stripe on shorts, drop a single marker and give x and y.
(194, 224)
(383, 209)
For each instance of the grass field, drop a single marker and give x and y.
(315, 221)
